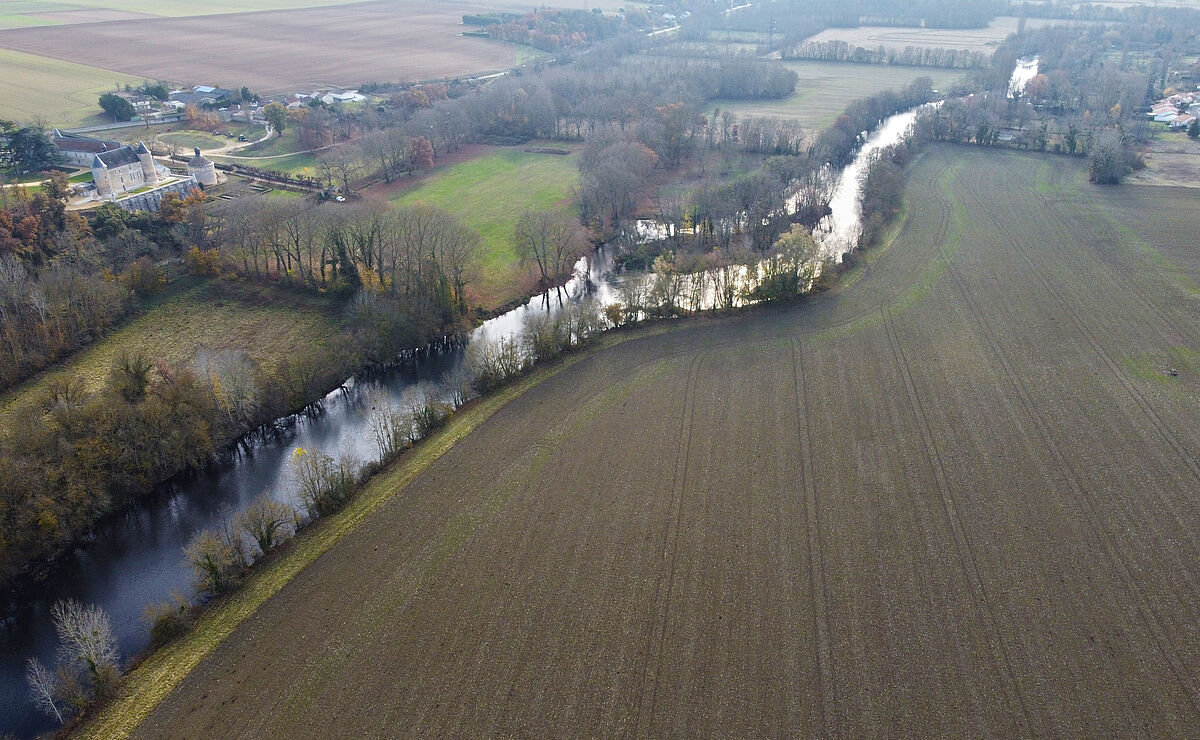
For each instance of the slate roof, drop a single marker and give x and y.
(69, 143)
(199, 160)
(117, 157)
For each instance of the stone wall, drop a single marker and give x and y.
(151, 199)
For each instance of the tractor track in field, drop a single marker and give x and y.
(967, 558)
(1150, 619)
(822, 651)
(651, 672)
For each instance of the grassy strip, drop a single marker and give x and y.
(187, 316)
(163, 670)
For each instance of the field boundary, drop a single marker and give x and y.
(151, 681)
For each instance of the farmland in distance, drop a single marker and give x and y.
(270, 51)
(956, 496)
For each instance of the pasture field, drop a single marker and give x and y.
(359, 42)
(488, 193)
(285, 143)
(826, 88)
(62, 93)
(305, 163)
(969, 39)
(189, 316)
(937, 501)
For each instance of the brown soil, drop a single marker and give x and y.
(279, 51)
(1172, 159)
(951, 499)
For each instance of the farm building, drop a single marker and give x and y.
(1183, 120)
(201, 95)
(80, 150)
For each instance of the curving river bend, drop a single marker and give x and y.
(135, 559)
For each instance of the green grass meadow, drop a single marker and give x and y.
(826, 88)
(489, 193)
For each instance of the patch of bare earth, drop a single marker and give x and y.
(279, 51)
(1171, 159)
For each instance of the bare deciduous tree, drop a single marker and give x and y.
(43, 687)
(551, 240)
(85, 640)
(266, 521)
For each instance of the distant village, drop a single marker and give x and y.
(1179, 111)
(237, 105)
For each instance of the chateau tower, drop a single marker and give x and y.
(149, 172)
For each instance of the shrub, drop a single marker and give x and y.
(203, 262)
(145, 278)
(167, 621)
(266, 521)
(325, 484)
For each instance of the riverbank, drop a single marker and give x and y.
(166, 667)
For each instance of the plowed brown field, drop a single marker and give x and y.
(957, 497)
(279, 51)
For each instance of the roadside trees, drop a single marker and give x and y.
(276, 115)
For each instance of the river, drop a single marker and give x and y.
(135, 558)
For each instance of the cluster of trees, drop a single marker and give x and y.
(116, 106)
(87, 668)
(31, 225)
(1088, 98)
(420, 255)
(65, 279)
(42, 320)
(390, 152)
(554, 30)
(911, 56)
(26, 148)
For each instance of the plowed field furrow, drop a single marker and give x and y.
(965, 551)
(952, 498)
(818, 588)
